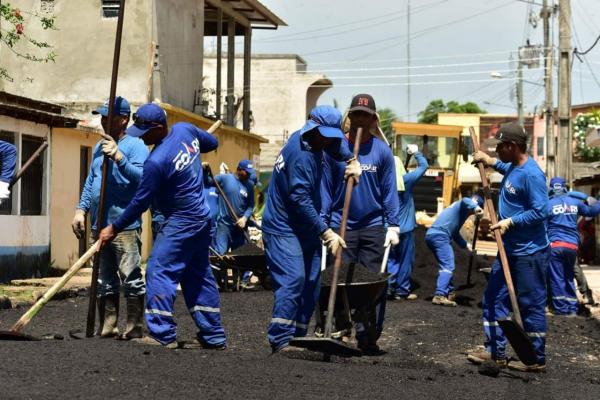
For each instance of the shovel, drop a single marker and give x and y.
(15, 332)
(513, 328)
(326, 344)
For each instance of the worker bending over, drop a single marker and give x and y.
(439, 238)
(172, 182)
(8, 163)
(292, 226)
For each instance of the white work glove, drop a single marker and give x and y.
(469, 247)
(223, 168)
(478, 212)
(502, 225)
(78, 223)
(4, 190)
(591, 201)
(481, 156)
(392, 236)
(332, 240)
(352, 170)
(411, 149)
(241, 222)
(110, 148)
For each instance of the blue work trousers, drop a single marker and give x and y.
(440, 244)
(400, 264)
(180, 256)
(294, 264)
(228, 237)
(529, 277)
(561, 275)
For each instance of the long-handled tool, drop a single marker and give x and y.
(28, 163)
(513, 328)
(327, 344)
(228, 204)
(473, 255)
(15, 331)
(386, 256)
(100, 215)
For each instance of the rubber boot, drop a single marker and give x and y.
(135, 315)
(111, 316)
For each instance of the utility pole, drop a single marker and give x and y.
(565, 142)
(549, 103)
(520, 112)
(408, 60)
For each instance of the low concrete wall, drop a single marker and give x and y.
(25, 247)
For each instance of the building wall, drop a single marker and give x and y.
(178, 29)
(280, 96)
(25, 239)
(64, 184)
(84, 44)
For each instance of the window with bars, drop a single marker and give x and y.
(540, 146)
(6, 206)
(110, 8)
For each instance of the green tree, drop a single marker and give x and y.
(386, 117)
(581, 124)
(13, 35)
(430, 114)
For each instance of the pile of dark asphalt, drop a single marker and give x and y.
(351, 273)
(425, 358)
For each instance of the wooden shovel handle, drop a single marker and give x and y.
(338, 256)
(501, 251)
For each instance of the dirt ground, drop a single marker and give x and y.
(425, 357)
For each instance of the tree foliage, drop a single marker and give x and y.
(386, 117)
(430, 114)
(581, 125)
(13, 35)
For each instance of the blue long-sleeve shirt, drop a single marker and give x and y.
(212, 197)
(239, 194)
(294, 195)
(374, 200)
(452, 219)
(407, 218)
(523, 198)
(563, 211)
(8, 161)
(123, 179)
(172, 180)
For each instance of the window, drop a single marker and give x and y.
(110, 8)
(32, 181)
(6, 206)
(540, 146)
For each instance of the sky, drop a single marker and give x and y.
(455, 46)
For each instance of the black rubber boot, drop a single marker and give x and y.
(111, 316)
(135, 315)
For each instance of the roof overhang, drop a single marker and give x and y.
(411, 128)
(246, 13)
(40, 112)
(180, 114)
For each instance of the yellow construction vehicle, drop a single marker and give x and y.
(441, 145)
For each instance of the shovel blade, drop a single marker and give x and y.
(519, 340)
(17, 336)
(327, 346)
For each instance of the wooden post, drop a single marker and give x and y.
(247, 69)
(230, 71)
(219, 61)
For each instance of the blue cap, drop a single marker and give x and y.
(478, 199)
(558, 184)
(247, 166)
(121, 107)
(327, 119)
(145, 118)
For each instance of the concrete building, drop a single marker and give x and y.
(283, 94)
(161, 60)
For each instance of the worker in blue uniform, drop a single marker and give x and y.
(8, 163)
(439, 238)
(522, 211)
(402, 257)
(172, 182)
(292, 226)
(373, 216)
(120, 262)
(563, 211)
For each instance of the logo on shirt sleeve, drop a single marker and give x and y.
(510, 188)
(279, 163)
